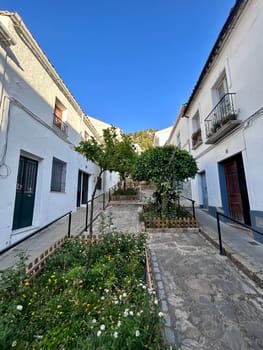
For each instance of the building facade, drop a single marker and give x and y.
(41, 175)
(223, 119)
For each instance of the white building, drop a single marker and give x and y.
(41, 175)
(161, 136)
(222, 122)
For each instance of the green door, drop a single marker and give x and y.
(25, 193)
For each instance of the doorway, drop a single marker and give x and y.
(204, 190)
(83, 186)
(25, 193)
(236, 188)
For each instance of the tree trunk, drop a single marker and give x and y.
(88, 251)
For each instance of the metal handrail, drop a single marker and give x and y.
(39, 230)
(103, 205)
(221, 249)
(191, 200)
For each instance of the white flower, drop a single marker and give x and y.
(156, 302)
(102, 327)
(126, 313)
(19, 307)
(119, 324)
(137, 334)
(131, 313)
(102, 298)
(38, 336)
(98, 333)
(116, 302)
(106, 290)
(161, 314)
(94, 320)
(124, 295)
(14, 343)
(115, 334)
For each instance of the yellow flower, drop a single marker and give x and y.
(59, 306)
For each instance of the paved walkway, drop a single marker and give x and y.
(208, 303)
(238, 243)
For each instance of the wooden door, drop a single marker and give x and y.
(233, 190)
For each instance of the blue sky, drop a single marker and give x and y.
(131, 63)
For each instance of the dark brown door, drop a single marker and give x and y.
(233, 190)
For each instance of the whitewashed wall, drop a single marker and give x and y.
(241, 58)
(27, 105)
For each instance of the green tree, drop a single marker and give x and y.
(165, 167)
(115, 153)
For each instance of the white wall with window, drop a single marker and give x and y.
(228, 97)
(40, 125)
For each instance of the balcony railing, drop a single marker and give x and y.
(60, 124)
(222, 119)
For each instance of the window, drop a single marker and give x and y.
(221, 88)
(58, 177)
(197, 134)
(59, 112)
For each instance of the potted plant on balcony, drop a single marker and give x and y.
(231, 115)
(196, 137)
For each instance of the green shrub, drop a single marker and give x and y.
(66, 307)
(129, 191)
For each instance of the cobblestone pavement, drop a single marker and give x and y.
(208, 303)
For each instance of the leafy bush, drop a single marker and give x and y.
(152, 210)
(129, 191)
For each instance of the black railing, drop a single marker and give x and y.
(103, 195)
(221, 114)
(221, 249)
(192, 203)
(60, 124)
(39, 230)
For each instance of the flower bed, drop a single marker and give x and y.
(177, 218)
(66, 307)
(130, 193)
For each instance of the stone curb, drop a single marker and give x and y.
(168, 332)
